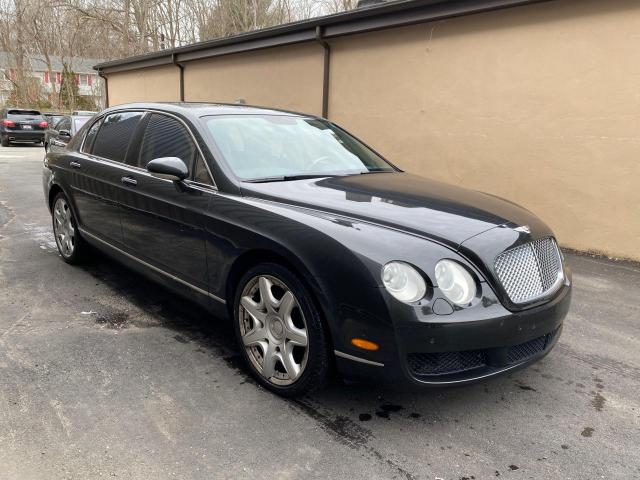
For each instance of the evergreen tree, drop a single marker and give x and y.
(69, 94)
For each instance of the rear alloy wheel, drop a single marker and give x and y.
(280, 331)
(68, 240)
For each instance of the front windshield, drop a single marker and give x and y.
(260, 147)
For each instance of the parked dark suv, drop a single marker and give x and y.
(20, 125)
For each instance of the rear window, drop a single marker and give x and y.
(114, 136)
(78, 122)
(24, 113)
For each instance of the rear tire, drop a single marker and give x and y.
(71, 246)
(280, 332)
(5, 142)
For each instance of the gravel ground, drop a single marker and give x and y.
(105, 374)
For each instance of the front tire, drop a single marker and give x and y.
(70, 245)
(280, 331)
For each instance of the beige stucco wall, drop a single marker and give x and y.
(538, 104)
(159, 84)
(284, 77)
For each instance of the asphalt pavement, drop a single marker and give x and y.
(105, 374)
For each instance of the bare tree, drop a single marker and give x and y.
(108, 29)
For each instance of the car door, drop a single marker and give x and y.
(162, 219)
(59, 135)
(97, 172)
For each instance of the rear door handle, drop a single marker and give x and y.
(75, 165)
(129, 181)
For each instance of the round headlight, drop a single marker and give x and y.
(403, 282)
(455, 282)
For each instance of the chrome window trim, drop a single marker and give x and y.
(138, 169)
(153, 267)
(357, 359)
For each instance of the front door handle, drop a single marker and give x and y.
(74, 165)
(129, 181)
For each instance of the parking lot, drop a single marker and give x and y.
(105, 374)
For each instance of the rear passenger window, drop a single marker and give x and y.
(166, 137)
(114, 136)
(91, 136)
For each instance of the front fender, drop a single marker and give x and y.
(339, 257)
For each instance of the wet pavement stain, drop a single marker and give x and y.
(113, 320)
(347, 432)
(598, 401)
(387, 407)
(527, 387)
(587, 432)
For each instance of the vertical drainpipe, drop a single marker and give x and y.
(106, 88)
(174, 59)
(325, 71)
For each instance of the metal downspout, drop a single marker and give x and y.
(181, 67)
(325, 71)
(106, 88)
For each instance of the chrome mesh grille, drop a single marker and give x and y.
(530, 270)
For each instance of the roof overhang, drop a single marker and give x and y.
(367, 19)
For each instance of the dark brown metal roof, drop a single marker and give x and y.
(366, 19)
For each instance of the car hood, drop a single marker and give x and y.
(439, 211)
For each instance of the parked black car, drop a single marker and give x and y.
(321, 251)
(59, 134)
(20, 125)
(52, 117)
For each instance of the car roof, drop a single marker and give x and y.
(200, 109)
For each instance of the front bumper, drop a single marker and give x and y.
(24, 135)
(431, 352)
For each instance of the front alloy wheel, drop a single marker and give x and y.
(280, 331)
(273, 330)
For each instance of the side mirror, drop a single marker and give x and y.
(171, 166)
(64, 133)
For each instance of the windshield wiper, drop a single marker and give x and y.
(286, 178)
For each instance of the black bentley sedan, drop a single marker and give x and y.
(322, 253)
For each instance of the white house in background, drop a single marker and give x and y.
(88, 82)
